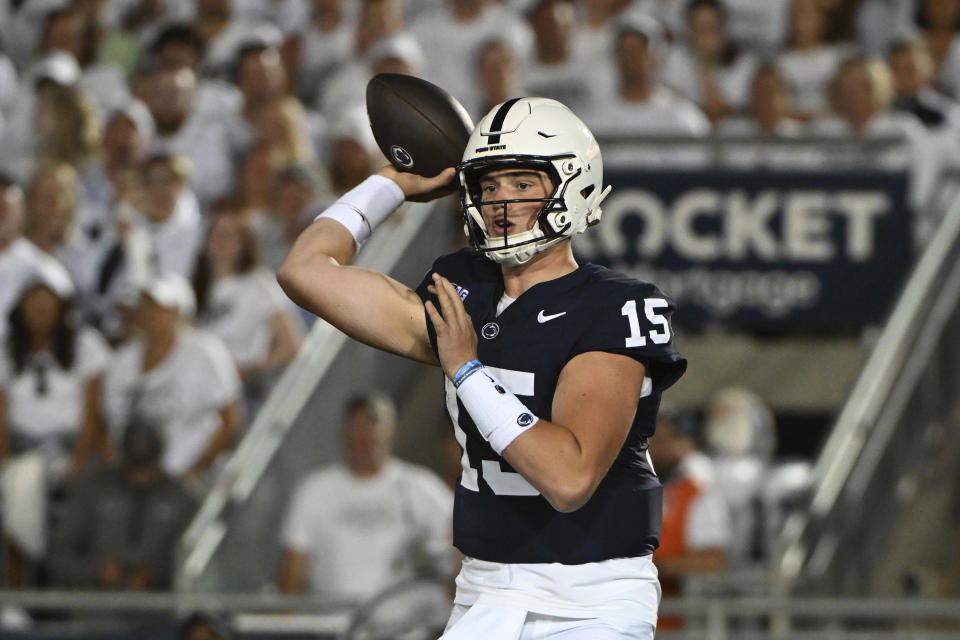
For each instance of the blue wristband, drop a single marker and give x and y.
(466, 371)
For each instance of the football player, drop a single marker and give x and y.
(554, 373)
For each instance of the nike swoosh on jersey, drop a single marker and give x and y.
(542, 317)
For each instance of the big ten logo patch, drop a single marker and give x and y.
(463, 293)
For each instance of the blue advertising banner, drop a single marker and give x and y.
(783, 252)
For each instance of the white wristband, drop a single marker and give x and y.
(499, 415)
(365, 206)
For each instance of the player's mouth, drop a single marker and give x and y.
(502, 227)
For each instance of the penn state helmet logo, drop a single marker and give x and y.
(524, 419)
(401, 156)
(490, 330)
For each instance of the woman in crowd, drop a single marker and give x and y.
(239, 301)
(50, 419)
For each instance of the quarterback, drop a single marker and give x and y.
(553, 375)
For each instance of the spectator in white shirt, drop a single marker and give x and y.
(861, 94)
(50, 419)
(453, 35)
(599, 19)
(178, 45)
(66, 125)
(498, 75)
(398, 53)
(239, 301)
(259, 73)
(353, 150)
(182, 129)
(19, 135)
(52, 202)
(50, 374)
(256, 176)
(356, 528)
(287, 15)
(707, 66)
(760, 27)
(169, 214)
(77, 30)
(939, 23)
(876, 24)
(644, 106)
(180, 378)
(127, 134)
(808, 62)
(285, 123)
(913, 67)
(770, 116)
(740, 437)
(557, 67)
(20, 259)
(324, 45)
(295, 201)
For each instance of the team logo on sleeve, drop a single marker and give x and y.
(524, 419)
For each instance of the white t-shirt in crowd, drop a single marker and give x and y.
(321, 54)
(451, 46)
(44, 400)
(807, 75)
(761, 26)
(708, 520)
(183, 394)
(203, 139)
(741, 479)
(359, 532)
(175, 242)
(663, 113)
(240, 312)
(681, 70)
(576, 83)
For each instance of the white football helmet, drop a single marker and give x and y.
(542, 134)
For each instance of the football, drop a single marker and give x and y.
(419, 127)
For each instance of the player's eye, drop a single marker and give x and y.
(523, 186)
(488, 188)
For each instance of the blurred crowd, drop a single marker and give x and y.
(159, 157)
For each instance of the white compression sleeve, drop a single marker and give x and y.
(499, 415)
(365, 206)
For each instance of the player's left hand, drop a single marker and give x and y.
(418, 188)
(456, 339)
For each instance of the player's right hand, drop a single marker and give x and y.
(456, 338)
(420, 188)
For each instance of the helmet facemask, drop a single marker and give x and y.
(513, 248)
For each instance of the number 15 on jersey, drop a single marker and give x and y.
(650, 306)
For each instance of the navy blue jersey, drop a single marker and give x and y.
(498, 515)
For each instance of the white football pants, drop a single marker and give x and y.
(483, 620)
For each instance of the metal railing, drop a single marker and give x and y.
(859, 470)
